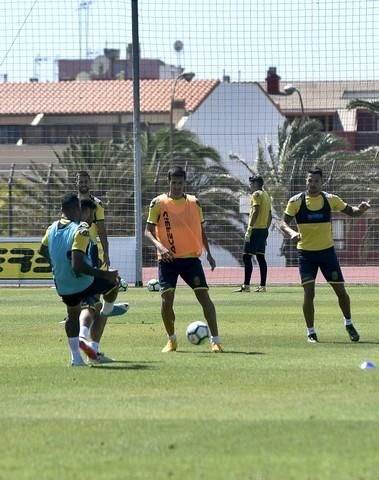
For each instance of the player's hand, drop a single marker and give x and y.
(166, 255)
(211, 261)
(363, 206)
(295, 236)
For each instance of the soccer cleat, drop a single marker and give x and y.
(100, 358)
(312, 338)
(86, 347)
(261, 289)
(80, 363)
(170, 346)
(242, 288)
(216, 347)
(353, 334)
(119, 309)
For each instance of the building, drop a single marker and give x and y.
(327, 102)
(110, 66)
(37, 118)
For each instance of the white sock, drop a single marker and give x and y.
(310, 331)
(172, 337)
(107, 308)
(84, 331)
(215, 339)
(74, 347)
(348, 321)
(95, 346)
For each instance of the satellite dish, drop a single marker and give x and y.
(83, 76)
(178, 46)
(101, 65)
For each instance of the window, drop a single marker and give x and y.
(121, 131)
(59, 133)
(9, 134)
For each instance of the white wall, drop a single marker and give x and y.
(232, 119)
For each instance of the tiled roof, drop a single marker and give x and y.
(99, 97)
(326, 96)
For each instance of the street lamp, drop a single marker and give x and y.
(289, 90)
(187, 76)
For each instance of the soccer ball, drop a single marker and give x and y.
(153, 285)
(123, 286)
(197, 332)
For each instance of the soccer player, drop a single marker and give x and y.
(65, 245)
(175, 227)
(92, 323)
(312, 210)
(260, 218)
(83, 182)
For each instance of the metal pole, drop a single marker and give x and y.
(10, 201)
(48, 193)
(172, 99)
(301, 101)
(137, 145)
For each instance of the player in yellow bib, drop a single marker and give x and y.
(312, 211)
(175, 227)
(97, 229)
(260, 218)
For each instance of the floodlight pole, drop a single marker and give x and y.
(137, 145)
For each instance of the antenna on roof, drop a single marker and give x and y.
(84, 5)
(178, 47)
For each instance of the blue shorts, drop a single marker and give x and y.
(257, 243)
(326, 260)
(190, 269)
(89, 295)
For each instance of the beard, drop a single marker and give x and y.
(83, 189)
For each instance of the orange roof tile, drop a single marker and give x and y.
(99, 97)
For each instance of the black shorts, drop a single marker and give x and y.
(190, 269)
(97, 287)
(257, 243)
(326, 260)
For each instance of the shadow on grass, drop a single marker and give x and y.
(124, 365)
(227, 352)
(347, 342)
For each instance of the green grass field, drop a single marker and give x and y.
(272, 407)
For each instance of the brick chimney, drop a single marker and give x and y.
(272, 81)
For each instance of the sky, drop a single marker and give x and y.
(305, 39)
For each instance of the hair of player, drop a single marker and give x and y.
(69, 202)
(83, 173)
(176, 172)
(315, 171)
(257, 179)
(87, 203)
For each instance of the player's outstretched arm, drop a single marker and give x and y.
(356, 211)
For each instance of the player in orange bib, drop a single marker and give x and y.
(175, 227)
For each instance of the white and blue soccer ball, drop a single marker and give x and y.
(123, 286)
(197, 332)
(153, 285)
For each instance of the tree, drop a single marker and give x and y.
(111, 167)
(370, 106)
(301, 144)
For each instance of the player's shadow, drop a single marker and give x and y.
(227, 352)
(124, 365)
(347, 342)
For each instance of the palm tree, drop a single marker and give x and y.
(300, 145)
(111, 167)
(217, 190)
(370, 106)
